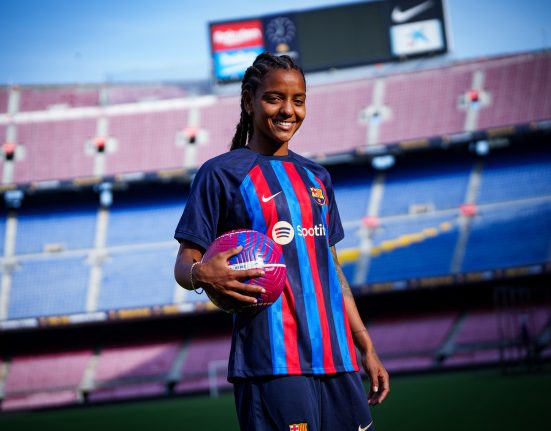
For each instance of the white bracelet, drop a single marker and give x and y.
(191, 279)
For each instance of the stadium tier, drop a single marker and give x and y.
(169, 130)
(146, 141)
(44, 380)
(411, 342)
(4, 97)
(49, 287)
(54, 150)
(206, 359)
(39, 99)
(431, 220)
(516, 90)
(118, 94)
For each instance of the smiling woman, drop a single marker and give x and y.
(299, 354)
(277, 108)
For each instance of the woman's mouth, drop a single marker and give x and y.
(285, 125)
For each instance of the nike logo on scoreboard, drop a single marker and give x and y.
(400, 16)
(269, 198)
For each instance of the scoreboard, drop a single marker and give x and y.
(332, 37)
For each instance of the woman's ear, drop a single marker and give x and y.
(247, 102)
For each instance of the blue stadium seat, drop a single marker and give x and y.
(138, 278)
(72, 226)
(521, 175)
(352, 198)
(508, 236)
(133, 220)
(441, 184)
(430, 256)
(49, 287)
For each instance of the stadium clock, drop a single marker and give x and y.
(280, 30)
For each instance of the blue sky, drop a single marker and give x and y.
(76, 41)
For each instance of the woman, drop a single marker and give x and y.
(293, 365)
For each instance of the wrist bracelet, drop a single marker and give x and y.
(191, 279)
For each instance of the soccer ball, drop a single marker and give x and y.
(258, 251)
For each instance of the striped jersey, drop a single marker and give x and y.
(290, 199)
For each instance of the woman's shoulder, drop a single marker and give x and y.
(233, 163)
(229, 159)
(314, 167)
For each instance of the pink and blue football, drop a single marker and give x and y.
(259, 251)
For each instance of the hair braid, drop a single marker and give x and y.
(253, 77)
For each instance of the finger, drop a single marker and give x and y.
(242, 298)
(247, 288)
(247, 273)
(384, 387)
(231, 252)
(373, 388)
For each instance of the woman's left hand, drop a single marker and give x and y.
(378, 377)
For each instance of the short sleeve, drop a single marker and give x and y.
(336, 231)
(199, 220)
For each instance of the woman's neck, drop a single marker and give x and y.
(269, 150)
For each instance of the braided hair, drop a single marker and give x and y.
(254, 75)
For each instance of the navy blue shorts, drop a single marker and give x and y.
(303, 403)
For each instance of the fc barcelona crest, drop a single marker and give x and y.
(318, 196)
(299, 427)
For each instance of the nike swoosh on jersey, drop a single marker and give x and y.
(269, 198)
(367, 427)
(399, 15)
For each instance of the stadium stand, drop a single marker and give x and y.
(438, 218)
(517, 85)
(330, 107)
(118, 94)
(58, 227)
(55, 150)
(49, 379)
(44, 98)
(506, 226)
(424, 335)
(219, 120)
(403, 108)
(424, 104)
(132, 371)
(441, 186)
(204, 353)
(4, 97)
(131, 216)
(146, 141)
(46, 287)
(138, 278)
(417, 229)
(420, 247)
(525, 175)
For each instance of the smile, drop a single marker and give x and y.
(283, 124)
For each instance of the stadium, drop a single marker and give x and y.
(442, 176)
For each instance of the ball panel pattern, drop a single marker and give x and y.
(258, 251)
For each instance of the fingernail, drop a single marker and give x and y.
(262, 290)
(376, 389)
(261, 273)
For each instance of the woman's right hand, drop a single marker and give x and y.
(218, 279)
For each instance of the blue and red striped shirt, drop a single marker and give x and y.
(291, 200)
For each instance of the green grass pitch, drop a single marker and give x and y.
(482, 400)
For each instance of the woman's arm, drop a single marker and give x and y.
(214, 275)
(371, 363)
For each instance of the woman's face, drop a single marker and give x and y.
(277, 108)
